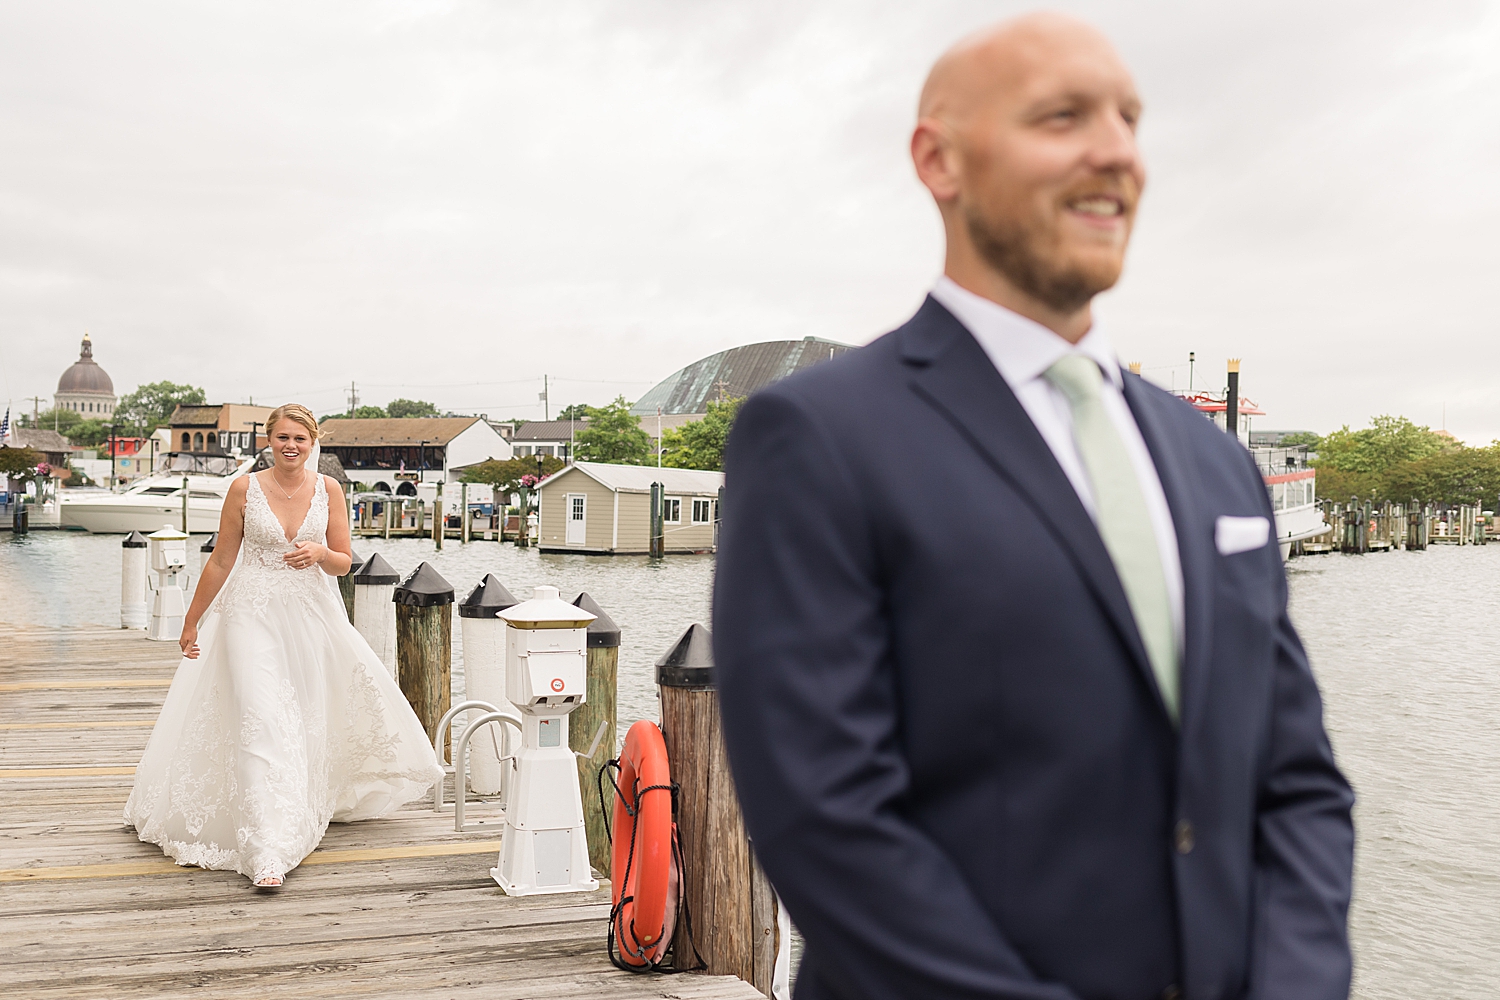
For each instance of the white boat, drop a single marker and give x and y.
(1291, 483)
(157, 501)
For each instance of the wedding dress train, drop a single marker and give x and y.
(285, 722)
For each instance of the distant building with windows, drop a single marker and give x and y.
(86, 388)
(219, 429)
(604, 509)
(393, 454)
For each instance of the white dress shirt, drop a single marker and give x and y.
(1022, 350)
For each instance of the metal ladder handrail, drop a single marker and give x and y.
(437, 744)
(461, 761)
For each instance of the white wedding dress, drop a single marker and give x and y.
(286, 721)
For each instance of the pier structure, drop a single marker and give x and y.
(401, 907)
(1361, 526)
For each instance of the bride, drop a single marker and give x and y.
(280, 718)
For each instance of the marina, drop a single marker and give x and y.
(1409, 688)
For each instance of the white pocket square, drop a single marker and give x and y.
(1240, 534)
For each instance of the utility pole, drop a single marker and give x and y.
(353, 400)
(36, 412)
(543, 397)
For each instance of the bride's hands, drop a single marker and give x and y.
(189, 641)
(306, 554)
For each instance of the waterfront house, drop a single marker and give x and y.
(606, 509)
(393, 454)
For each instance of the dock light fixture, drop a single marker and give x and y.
(544, 848)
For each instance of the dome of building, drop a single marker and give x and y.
(736, 372)
(85, 375)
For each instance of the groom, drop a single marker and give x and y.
(1013, 703)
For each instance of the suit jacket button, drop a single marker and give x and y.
(1183, 837)
(1171, 993)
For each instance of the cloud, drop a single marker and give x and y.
(277, 199)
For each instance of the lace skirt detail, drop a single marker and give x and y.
(287, 721)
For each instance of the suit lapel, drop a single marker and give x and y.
(953, 375)
(1194, 529)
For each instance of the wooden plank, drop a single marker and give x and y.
(319, 857)
(110, 683)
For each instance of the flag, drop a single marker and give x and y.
(5, 428)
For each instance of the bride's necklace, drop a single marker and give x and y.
(283, 488)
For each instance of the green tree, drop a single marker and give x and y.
(150, 406)
(1299, 438)
(577, 411)
(91, 433)
(1387, 442)
(505, 476)
(614, 435)
(360, 413)
(411, 408)
(16, 461)
(700, 444)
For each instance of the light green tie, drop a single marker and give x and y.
(1122, 517)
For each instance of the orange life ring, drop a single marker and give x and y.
(642, 861)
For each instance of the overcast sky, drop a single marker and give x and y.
(447, 200)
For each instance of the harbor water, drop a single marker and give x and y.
(1406, 647)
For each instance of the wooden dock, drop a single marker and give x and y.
(402, 907)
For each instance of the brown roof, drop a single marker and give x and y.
(40, 439)
(196, 416)
(392, 431)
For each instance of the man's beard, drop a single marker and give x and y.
(1012, 250)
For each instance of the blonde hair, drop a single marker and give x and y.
(293, 411)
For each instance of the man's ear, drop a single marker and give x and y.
(935, 155)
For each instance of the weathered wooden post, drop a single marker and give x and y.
(732, 906)
(424, 644)
(600, 706)
(484, 677)
(658, 535)
(133, 581)
(463, 514)
(421, 517)
(439, 518)
(346, 585)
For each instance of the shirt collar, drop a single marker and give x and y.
(1020, 348)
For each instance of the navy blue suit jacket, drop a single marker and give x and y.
(952, 757)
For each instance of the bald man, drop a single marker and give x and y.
(1009, 689)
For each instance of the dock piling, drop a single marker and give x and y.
(484, 679)
(424, 645)
(346, 585)
(374, 617)
(133, 581)
(439, 518)
(600, 707)
(734, 920)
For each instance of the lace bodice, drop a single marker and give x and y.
(261, 570)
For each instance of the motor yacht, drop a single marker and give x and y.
(199, 481)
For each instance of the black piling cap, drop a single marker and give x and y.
(134, 540)
(208, 546)
(355, 562)
(424, 588)
(689, 663)
(487, 600)
(376, 570)
(603, 631)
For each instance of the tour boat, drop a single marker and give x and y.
(156, 501)
(1291, 483)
